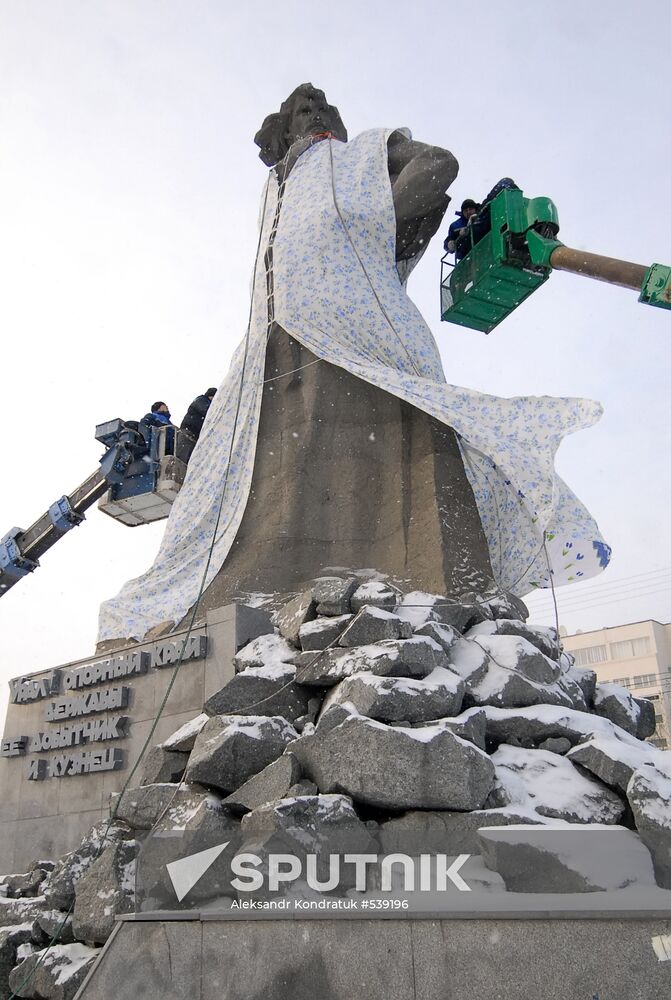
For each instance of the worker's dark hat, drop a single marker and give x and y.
(211, 392)
(468, 203)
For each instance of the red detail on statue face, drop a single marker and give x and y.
(311, 116)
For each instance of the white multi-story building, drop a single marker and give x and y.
(638, 656)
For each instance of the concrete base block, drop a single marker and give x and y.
(343, 959)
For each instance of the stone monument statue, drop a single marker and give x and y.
(335, 440)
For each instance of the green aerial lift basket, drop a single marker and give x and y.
(498, 273)
(518, 254)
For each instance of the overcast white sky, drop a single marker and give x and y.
(129, 191)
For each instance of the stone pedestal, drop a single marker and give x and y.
(42, 819)
(381, 959)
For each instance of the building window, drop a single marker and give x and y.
(590, 654)
(627, 648)
(644, 680)
(622, 681)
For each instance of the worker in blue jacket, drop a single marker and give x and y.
(158, 416)
(459, 227)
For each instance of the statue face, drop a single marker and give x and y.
(311, 114)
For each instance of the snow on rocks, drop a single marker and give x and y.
(394, 767)
(530, 725)
(401, 699)
(646, 719)
(470, 725)
(552, 786)
(543, 639)
(417, 608)
(141, 806)
(314, 825)
(20, 911)
(59, 888)
(231, 748)
(566, 858)
(507, 686)
(195, 821)
(540, 748)
(416, 657)
(27, 883)
(444, 635)
(50, 924)
(464, 614)
(583, 676)
(291, 616)
(469, 660)
(372, 624)
(649, 795)
(55, 973)
(11, 939)
(332, 595)
(322, 632)
(506, 605)
(375, 594)
(268, 690)
(615, 703)
(265, 651)
(613, 759)
(183, 739)
(274, 782)
(107, 889)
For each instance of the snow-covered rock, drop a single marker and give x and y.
(231, 748)
(27, 883)
(375, 594)
(141, 806)
(415, 657)
(566, 858)
(59, 888)
(462, 615)
(332, 594)
(11, 939)
(394, 767)
(322, 632)
(372, 624)
(183, 739)
(401, 699)
(317, 825)
(545, 640)
(107, 889)
(612, 759)
(444, 635)
(614, 702)
(289, 618)
(265, 651)
(530, 725)
(55, 973)
(269, 690)
(272, 783)
(53, 923)
(649, 795)
(417, 608)
(552, 786)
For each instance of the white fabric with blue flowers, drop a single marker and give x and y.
(337, 290)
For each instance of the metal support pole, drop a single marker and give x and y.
(593, 265)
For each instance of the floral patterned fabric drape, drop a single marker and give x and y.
(337, 290)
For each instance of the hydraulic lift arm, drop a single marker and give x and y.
(20, 550)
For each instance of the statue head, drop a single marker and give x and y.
(305, 112)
